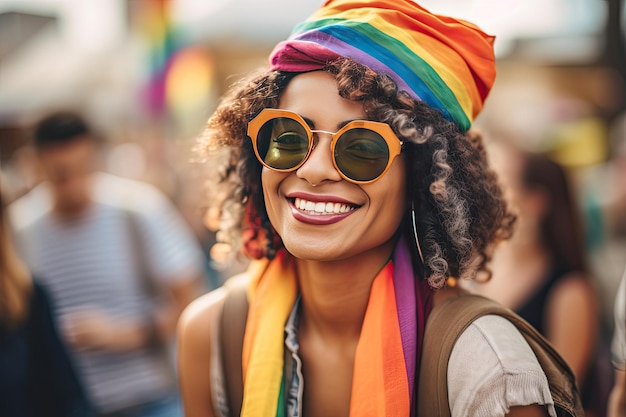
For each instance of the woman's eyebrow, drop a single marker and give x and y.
(342, 124)
(309, 122)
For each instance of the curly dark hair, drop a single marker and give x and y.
(459, 207)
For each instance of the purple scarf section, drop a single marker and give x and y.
(414, 302)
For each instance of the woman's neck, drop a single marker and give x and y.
(335, 294)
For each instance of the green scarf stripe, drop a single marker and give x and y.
(280, 409)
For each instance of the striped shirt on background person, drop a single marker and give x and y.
(95, 261)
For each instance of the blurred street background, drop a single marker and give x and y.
(148, 73)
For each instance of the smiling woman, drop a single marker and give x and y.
(353, 181)
(374, 207)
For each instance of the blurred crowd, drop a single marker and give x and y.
(105, 242)
(104, 236)
(98, 261)
(96, 268)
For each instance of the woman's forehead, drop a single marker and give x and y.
(314, 96)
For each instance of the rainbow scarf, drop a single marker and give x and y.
(387, 352)
(447, 63)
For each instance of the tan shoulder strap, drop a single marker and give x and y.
(232, 328)
(448, 320)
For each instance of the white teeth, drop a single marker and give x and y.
(319, 208)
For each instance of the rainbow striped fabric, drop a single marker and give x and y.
(387, 352)
(446, 62)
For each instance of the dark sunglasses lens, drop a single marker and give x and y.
(361, 154)
(282, 143)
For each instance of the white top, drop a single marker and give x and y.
(492, 368)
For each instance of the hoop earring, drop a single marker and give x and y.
(414, 226)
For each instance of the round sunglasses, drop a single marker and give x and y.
(362, 150)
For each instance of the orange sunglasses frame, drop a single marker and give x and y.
(383, 129)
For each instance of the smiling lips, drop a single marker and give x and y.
(320, 212)
(321, 208)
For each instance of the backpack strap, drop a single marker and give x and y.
(448, 320)
(232, 329)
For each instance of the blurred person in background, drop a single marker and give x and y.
(120, 262)
(604, 197)
(617, 401)
(541, 272)
(37, 375)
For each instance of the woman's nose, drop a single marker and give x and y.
(319, 166)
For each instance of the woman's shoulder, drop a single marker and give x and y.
(572, 306)
(199, 354)
(493, 336)
(572, 288)
(201, 310)
(493, 368)
(199, 316)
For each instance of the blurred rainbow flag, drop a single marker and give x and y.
(178, 74)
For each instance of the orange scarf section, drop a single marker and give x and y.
(380, 384)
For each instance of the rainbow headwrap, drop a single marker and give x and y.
(387, 351)
(445, 62)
